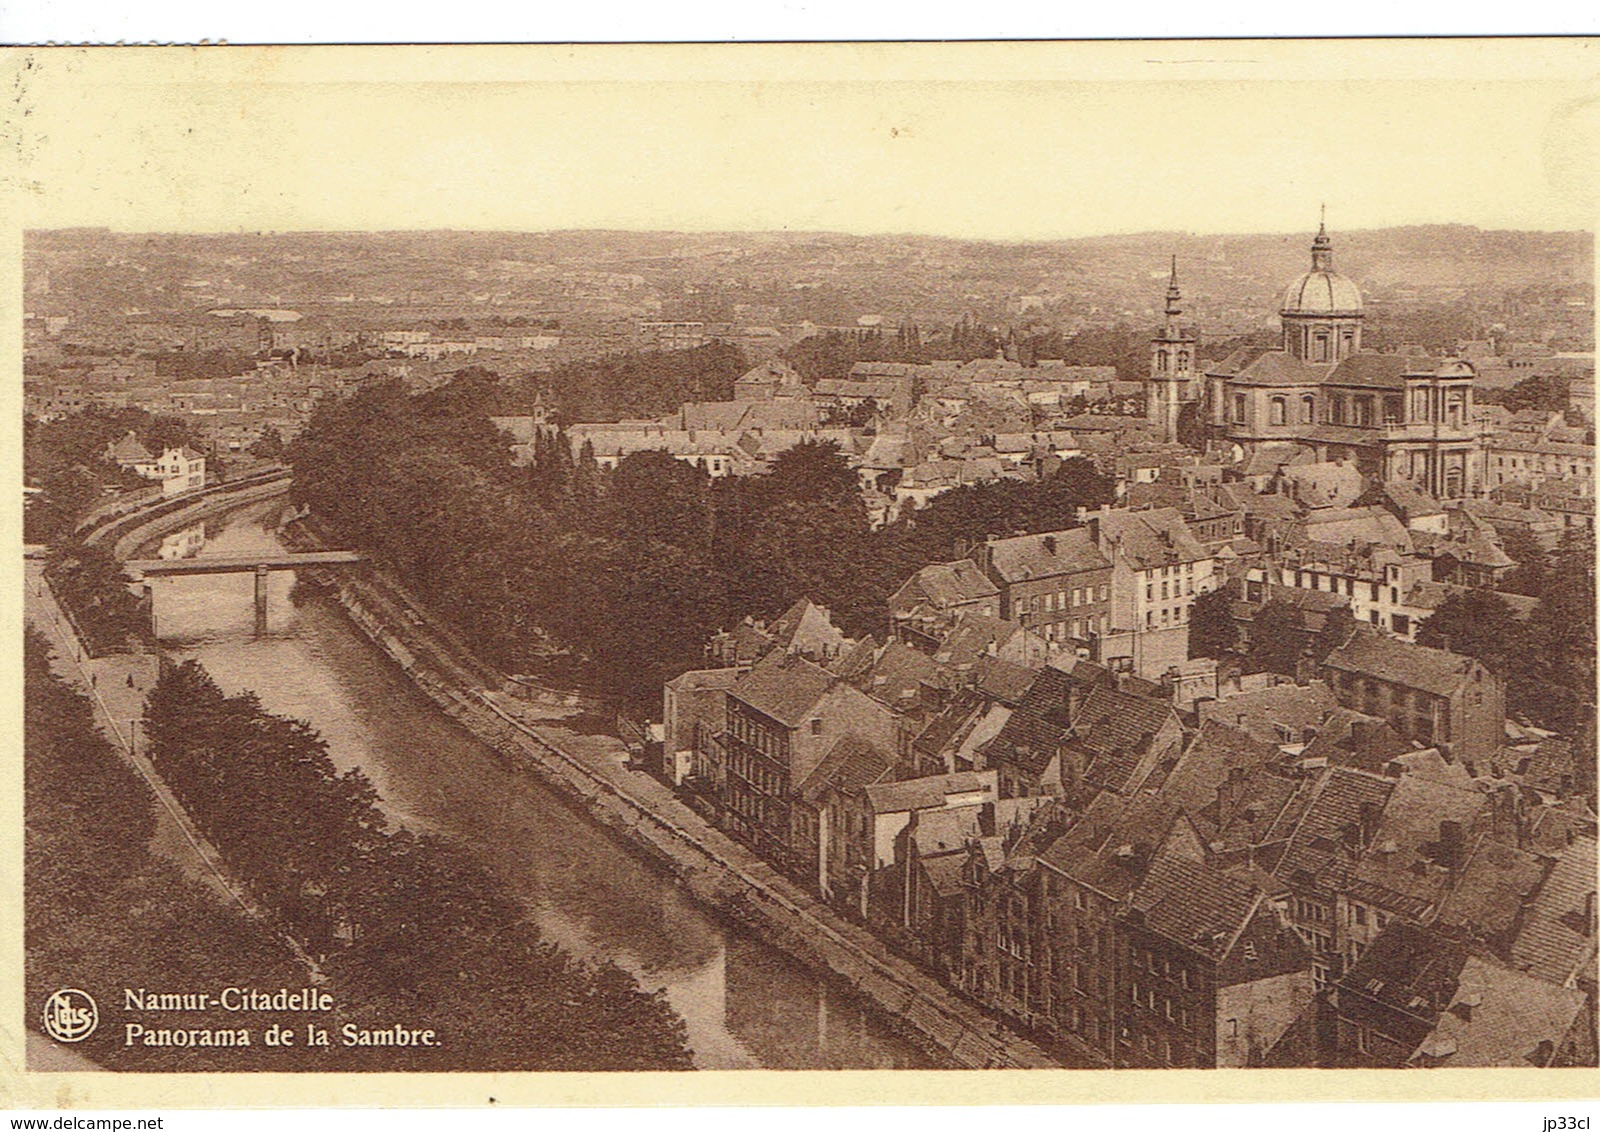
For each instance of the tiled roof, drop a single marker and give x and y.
(1343, 525)
(939, 832)
(806, 627)
(1114, 729)
(1399, 662)
(930, 792)
(1258, 504)
(1317, 847)
(1036, 728)
(1045, 555)
(784, 687)
(1350, 738)
(850, 765)
(128, 450)
(1377, 371)
(971, 639)
(1272, 367)
(945, 873)
(900, 677)
(1410, 969)
(1153, 538)
(1296, 707)
(1557, 938)
(1216, 751)
(1500, 1018)
(1002, 680)
(1406, 855)
(1112, 842)
(1201, 908)
(944, 584)
(1496, 882)
(960, 714)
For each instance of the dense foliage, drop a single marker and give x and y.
(411, 929)
(642, 384)
(618, 577)
(90, 584)
(102, 912)
(830, 355)
(1547, 661)
(66, 457)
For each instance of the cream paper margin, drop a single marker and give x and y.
(40, 85)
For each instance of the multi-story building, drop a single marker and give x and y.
(1524, 458)
(1436, 698)
(1058, 585)
(1158, 568)
(1215, 973)
(782, 718)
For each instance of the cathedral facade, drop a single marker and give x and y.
(1395, 417)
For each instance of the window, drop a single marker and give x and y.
(1105, 593)
(1077, 596)
(1238, 408)
(1308, 409)
(816, 727)
(1279, 411)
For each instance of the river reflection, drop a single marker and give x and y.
(744, 1002)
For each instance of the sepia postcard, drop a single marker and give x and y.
(797, 574)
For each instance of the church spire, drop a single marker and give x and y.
(1173, 294)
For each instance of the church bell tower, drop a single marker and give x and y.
(1173, 381)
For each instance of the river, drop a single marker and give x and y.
(745, 1004)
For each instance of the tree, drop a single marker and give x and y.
(1277, 639)
(1530, 576)
(270, 446)
(1212, 630)
(1544, 393)
(1476, 623)
(655, 496)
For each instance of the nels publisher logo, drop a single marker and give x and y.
(70, 1015)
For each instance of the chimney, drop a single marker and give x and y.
(1451, 845)
(1230, 789)
(1049, 544)
(1093, 523)
(1371, 814)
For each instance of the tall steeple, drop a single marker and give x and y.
(1172, 381)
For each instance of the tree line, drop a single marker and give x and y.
(615, 578)
(409, 928)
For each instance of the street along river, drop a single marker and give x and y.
(746, 1004)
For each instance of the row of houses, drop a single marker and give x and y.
(1149, 883)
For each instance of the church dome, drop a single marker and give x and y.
(1322, 292)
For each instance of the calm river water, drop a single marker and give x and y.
(746, 1004)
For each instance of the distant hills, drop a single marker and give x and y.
(1230, 281)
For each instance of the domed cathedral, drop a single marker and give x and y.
(1395, 417)
(1174, 373)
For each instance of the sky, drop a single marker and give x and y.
(999, 145)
